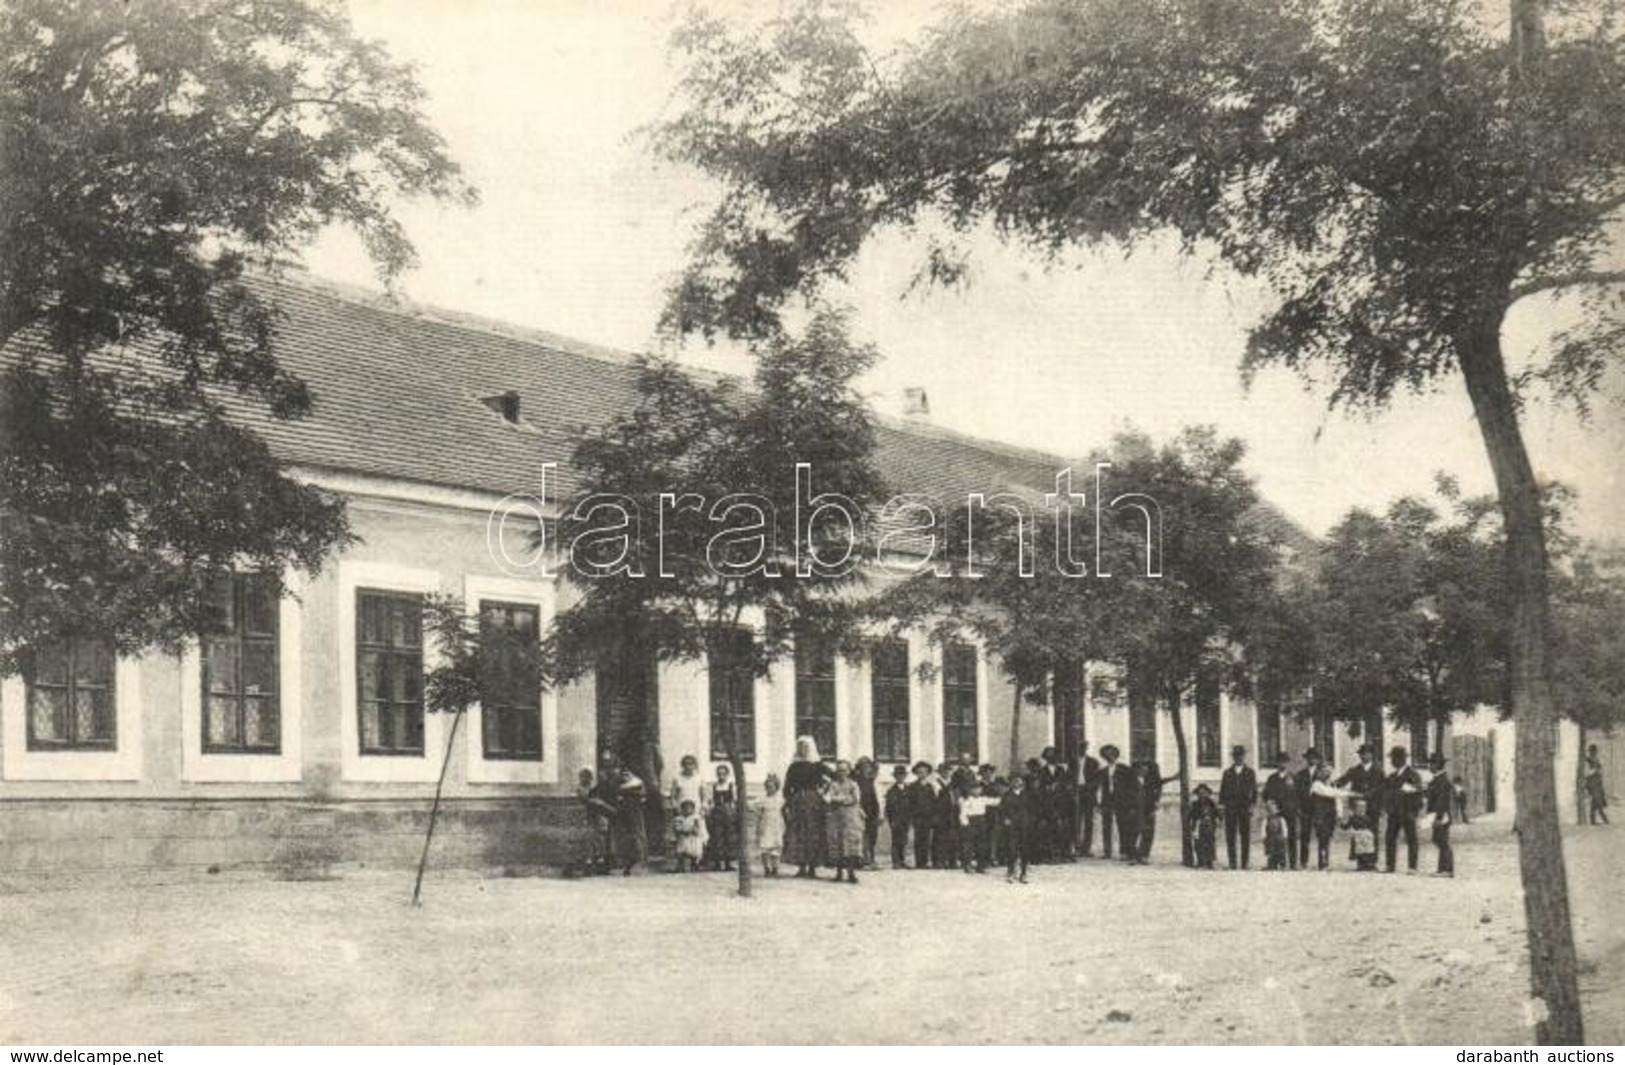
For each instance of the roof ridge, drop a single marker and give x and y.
(417, 310)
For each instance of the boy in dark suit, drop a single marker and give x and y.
(1238, 794)
(1282, 789)
(1204, 822)
(922, 813)
(897, 816)
(1015, 816)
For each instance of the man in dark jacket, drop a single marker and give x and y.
(1365, 780)
(1238, 794)
(1402, 801)
(1088, 791)
(1148, 778)
(1304, 779)
(1282, 789)
(1441, 800)
(1119, 803)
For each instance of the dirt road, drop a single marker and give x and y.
(1085, 953)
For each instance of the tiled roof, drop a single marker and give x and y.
(397, 392)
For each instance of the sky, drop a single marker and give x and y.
(580, 228)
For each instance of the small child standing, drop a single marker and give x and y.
(689, 829)
(770, 825)
(1275, 836)
(721, 820)
(1204, 822)
(1362, 839)
(897, 801)
(1015, 827)
(972, 825)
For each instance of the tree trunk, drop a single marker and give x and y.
(741, 816)
(1182, 748)
(434, 810)
(1015, 724)
(1438, 735)
(1580, 780)
(1552, 960)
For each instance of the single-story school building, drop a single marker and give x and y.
(296, 738)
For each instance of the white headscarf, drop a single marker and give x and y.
(806, 749)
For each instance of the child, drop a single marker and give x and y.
(897, 816)
(922, 814)
(689, 829)
(1362, 839)
(721, 820)
(1015, 828)
(686, 786)
(770, 825)
(972, 824)
(1204, 822)
(1275, 835)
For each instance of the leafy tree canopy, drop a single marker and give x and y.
(153, 154)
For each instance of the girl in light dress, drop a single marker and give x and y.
(689, 829)
(686, 786)
(769, 811)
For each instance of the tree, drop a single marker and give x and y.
(475, 662)
(1396, 176)
(1409, 615)
(1588, 655)
(717, 548)
(158, 160)
(1186, 631)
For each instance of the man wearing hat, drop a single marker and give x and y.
(1238, 794)
(1441, 796)
(1365, 781)
(1402, 801)
(1281, 788)
(1119, 803)
(1304, 779)
(1204, 826)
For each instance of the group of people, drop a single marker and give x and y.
(1310, 804)
(963, 816)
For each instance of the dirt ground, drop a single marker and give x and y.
(1087, 953)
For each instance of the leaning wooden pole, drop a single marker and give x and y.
(434, 810)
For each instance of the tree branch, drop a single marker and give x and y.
(1570, 280)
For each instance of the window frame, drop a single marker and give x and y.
(891, 684)
(735, 677)
(961, 692)
(1208, 706)
(489, 711)
(70, 687)
(241, 638)
(362, 649)
(810, 657)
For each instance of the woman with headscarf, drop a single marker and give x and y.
(804, 784)
(623, 790)
(843, 822)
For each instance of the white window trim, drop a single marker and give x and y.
(124, 762)
(425, 768)
(483, 770)
(198, 767)
(766, 695)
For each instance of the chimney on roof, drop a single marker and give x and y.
(505, 404)
(916, 408)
